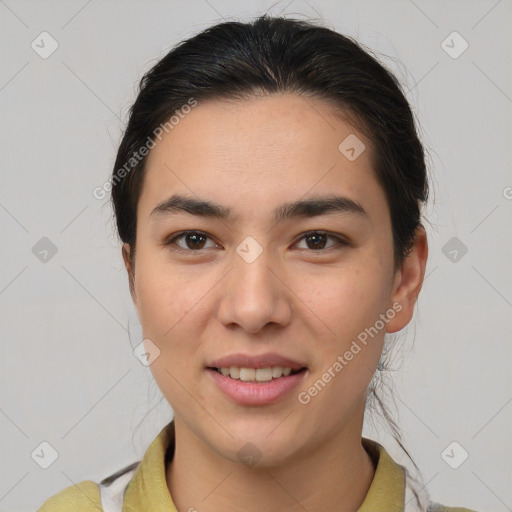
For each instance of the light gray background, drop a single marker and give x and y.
(68, 373)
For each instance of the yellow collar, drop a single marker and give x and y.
(148, 488)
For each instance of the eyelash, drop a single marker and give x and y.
(172, 241)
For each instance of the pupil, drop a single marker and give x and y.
(316, 245)
(194, 237)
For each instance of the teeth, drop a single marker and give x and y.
(277, 371)
(247, 374)
(253, 374)
(263, 374)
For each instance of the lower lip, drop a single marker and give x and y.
(256, 393)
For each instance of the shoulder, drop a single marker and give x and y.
(436, 507)
(81, 497)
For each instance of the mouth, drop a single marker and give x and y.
(256, 375)
(256, 386)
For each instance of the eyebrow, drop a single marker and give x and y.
(312, 207)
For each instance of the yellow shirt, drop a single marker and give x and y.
(148, 491)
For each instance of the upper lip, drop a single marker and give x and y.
(256, 361)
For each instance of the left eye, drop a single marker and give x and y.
(195, 241)
(318, 239)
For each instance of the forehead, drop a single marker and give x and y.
(258, 151)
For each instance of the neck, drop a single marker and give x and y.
(335, 476)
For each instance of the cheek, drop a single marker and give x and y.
(348, 299)
(349, 302)
(174, 306)
(165, 296)
(169, 306)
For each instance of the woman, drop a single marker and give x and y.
(268, 193)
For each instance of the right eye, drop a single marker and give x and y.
(194, 241)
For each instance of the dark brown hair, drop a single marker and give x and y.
(236, 60)
(269, 55)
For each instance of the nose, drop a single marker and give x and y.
(255, 295)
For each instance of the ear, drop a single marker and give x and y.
(408, 281)
(126, 252)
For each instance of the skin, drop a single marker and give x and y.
(305, 303)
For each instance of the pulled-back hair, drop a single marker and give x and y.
(238, 61)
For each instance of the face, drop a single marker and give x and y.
(310, 288)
